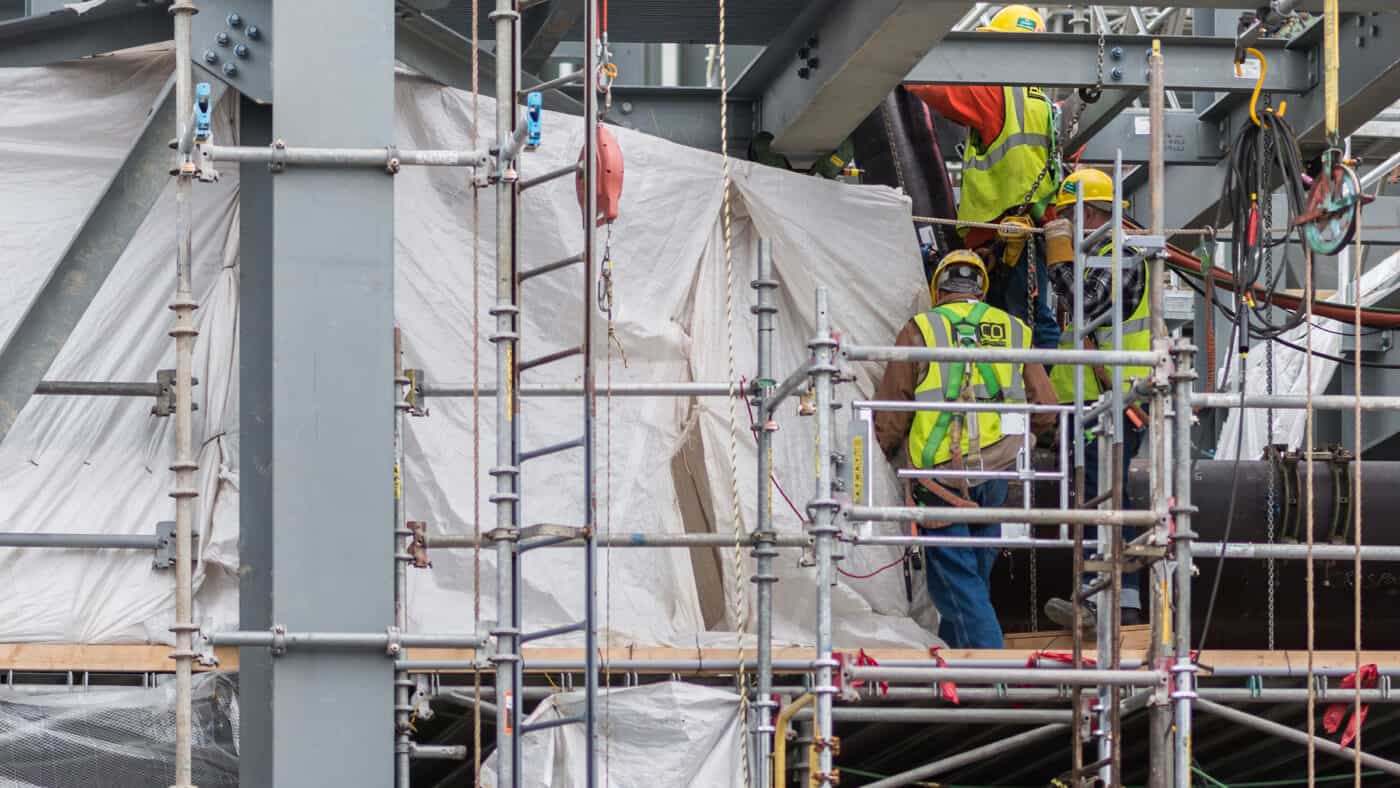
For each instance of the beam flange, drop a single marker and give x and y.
(1192, 63)
(543, 28)
(865, 47)
(68, 34)
(444, 56)
(1186, 140)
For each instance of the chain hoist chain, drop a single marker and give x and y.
(1266, 221)
(1054, 161)
(1035, 588)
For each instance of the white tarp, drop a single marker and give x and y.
(671, 733)
(100, 465)
(1291, 373)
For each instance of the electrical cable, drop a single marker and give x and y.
(1225, 310)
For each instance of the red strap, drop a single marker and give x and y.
(863, 659)
(1336, 712)
(946, 689)
(1056, 656)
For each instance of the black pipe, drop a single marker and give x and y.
(1241, 614)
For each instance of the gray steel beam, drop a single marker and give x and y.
(328, 371)
(684, 115)
(542, 28)
(864, 48)
(255, 204)
(444, 56)
(89, 258)
(1186, 140)
(1094, 117)
(1192, 63)
(1369, 82)
(67, 34)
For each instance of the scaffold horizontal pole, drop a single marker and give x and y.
(1106, 358)
(81, 541)
(435, 542)
(1294, 402)
(950, 514)
(944, 716)
(528, 390)
(389, 159)
(343, 640)
(90, 388)
(1093, 678)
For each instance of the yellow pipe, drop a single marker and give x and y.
(1331, 28)
(780, 736)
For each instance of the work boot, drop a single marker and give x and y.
(1061, 611)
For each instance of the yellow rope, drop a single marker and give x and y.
(1356, 501)
(1311, 579)
(739, 603)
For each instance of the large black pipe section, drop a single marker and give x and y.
(1242, 606)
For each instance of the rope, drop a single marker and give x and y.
(476, 397)
(1356, 501)
(1311, 579)
(739, 605)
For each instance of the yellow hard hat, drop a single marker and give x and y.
(959, 264)
(1016, 19)
(1094, 184)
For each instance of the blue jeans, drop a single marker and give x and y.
(1008, 293)
(1132, 441)
(959, 578)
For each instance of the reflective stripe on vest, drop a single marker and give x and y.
(996, 178)
(1137, 335)
(995, 329)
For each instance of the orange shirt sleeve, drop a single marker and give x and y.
(981, 108)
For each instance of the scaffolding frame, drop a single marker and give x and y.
(1166, 680)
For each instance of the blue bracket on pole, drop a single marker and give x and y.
(534, 106)
(203, 109)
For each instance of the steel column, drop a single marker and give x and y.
(330, 298)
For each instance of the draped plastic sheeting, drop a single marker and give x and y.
(671, 733)
(1291, 373)
(664, 465)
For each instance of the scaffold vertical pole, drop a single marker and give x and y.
(1183, 673)
(765, 548)
(1160, 596)
(402, 683)
(185, 465)
(507, 470)
(1080, 482)
(590, 385)
(823, 515)
(1115, 536)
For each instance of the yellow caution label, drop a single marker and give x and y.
(858, 468)
(398, 483)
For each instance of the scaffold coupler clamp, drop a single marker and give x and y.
(418, 545)
(202, 161)
(277, 161)
(279, 640)
(417, 404)
(1183, 679)
(393, 646)
(204, 652)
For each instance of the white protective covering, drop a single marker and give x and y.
(1291, 373)
(86, 465)
(685, 734)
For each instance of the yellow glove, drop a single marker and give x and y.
(1059, 242)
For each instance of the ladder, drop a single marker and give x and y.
(512, 540)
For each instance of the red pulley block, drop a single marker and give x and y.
(609, 177)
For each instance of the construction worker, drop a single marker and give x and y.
(1097, 190)
(1008, 176)
(959, 577)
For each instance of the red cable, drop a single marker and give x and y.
(743, 386)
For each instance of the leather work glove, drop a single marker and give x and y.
(1059, 242)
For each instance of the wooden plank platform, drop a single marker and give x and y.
(138, 658)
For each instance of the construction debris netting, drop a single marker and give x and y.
(116, 737)
(100, 465)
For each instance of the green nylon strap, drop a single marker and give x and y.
(966, 328)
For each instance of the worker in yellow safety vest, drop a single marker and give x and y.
(957, 442)
(1009, 176)
(1099, 293)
